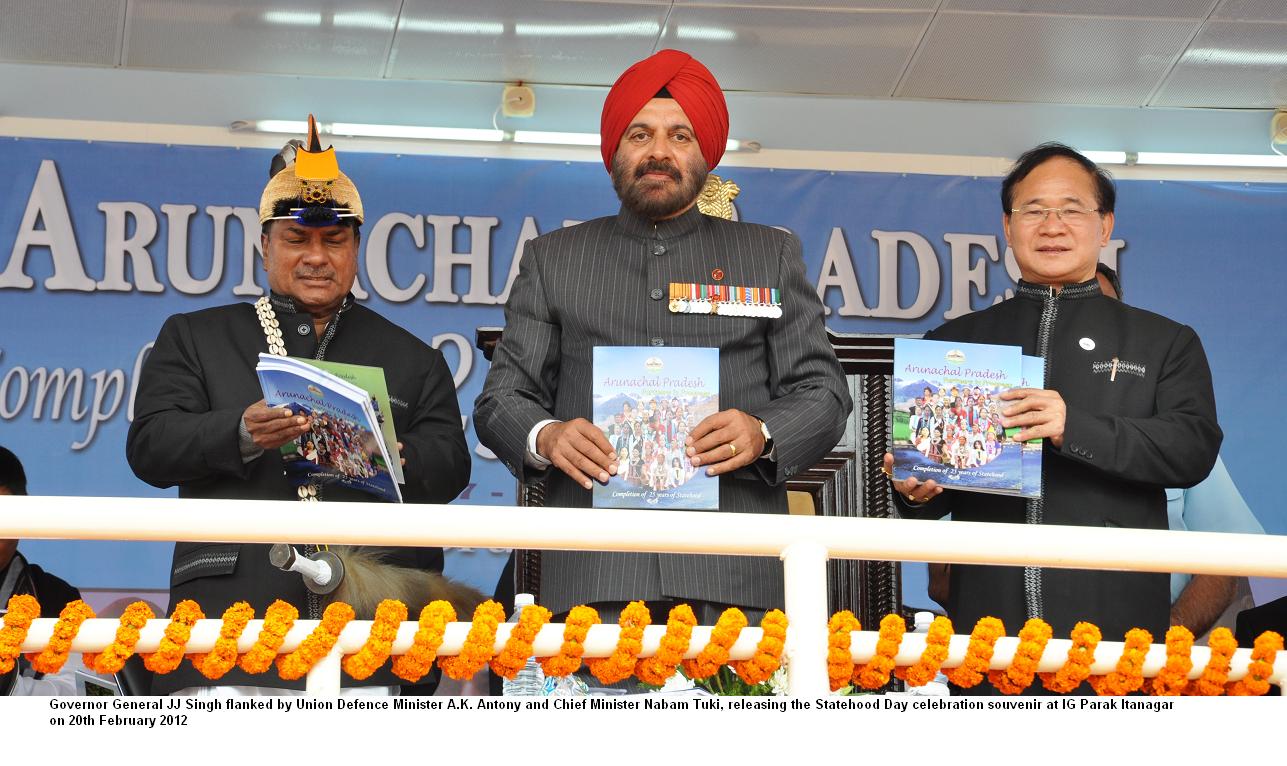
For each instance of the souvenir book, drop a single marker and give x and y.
(346, 443)
(1034, 376)
(646, 400)
(947, 416)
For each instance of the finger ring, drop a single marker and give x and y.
(732, 449)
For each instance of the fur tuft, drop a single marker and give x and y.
(368, 580)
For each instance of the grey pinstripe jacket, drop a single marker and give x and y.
(605, 283)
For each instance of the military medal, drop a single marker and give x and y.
(775, 303)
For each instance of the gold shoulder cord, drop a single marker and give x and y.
(716, 197)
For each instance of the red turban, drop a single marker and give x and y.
(690, 83)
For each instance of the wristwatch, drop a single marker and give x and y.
(768, 440)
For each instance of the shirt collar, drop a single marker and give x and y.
(1070, 291)
(636, 225)
(285, 303)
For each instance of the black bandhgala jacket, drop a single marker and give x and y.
(1127, 437)
(195, 385)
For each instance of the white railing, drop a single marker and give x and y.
(804, 543)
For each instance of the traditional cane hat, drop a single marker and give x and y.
(309, 188)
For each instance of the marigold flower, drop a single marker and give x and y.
(418, 661)
(389, 615)
(575, 629)
(318, 644)
(1033, 638)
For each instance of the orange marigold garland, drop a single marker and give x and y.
(518, 647)
(712, 656)
(418, 660)
(219, 660)
(278, 620)
(621, 663)
(479, 645)
(1216, 673)
(978, 657)
(655, 670)
(875, 674)
(768, 653)
(1081, 655)
(1128, 676)
(22, 610)
(840, 662)
(113, 658)
(389, 615)
(1174, 676)
(575, 628)
(1033, 638)
(1263, 653)
(55, 652)
(169, 655)
(318, 644)
(936, 646)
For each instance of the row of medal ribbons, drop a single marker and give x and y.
(728, 300)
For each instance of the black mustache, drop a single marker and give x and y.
(657, 166)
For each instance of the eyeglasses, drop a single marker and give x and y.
(1031, 215)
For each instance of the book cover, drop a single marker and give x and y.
(1034, 376)
(371, 380)
(646, 400)
(344, 445)
(947, 415)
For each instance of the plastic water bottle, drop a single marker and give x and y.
(530, 681)
(938, 687)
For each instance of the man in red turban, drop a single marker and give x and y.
(684, 79)
(664, 128)
(625, 280)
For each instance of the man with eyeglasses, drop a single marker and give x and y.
(1127, 409)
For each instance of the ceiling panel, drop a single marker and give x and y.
(577, 43)
(1231, 65)
(311, 37)
(60, 31)
(1252, 10)
(1045, 59)
(871, 5)
(1173, 9)
(753, 49)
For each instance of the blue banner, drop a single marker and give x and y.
(99, 242)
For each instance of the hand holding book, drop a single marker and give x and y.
(913, 491)
(271, 427)
(579, 449)
(1039, 412)
(725, 442)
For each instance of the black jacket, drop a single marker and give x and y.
(1127, 436)
(196, 383)
(53, 593)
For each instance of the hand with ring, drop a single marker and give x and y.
(913, 491)
(725, 442)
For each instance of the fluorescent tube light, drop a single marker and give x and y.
(417, 132)
(1217, 160)
(1187, 159)
(555, 137)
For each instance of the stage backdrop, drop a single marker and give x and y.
(99, 242)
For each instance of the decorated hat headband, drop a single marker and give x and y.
(310, 189)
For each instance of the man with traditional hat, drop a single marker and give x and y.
(201, 423)
(605, 283)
